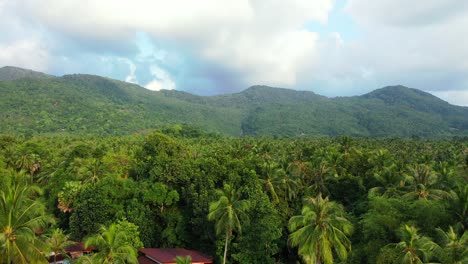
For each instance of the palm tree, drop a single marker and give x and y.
(319, 230)
(422, 180)
(289, 185)
(454, 248)
(21, 215)
(58, 242)
(413, 248)
(319, 175)
(112, 246)
(458, 204)
(227, 212)
(183, 260)
(271, 177)
(389, 181)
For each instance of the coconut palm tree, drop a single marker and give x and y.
(289, 185)
(458, 204)
(58, 242)
(389, 181)
(454, 247)
(271, 177)
(422, 180)
(320, 173)
(320, 230)
(112, 246)
(413, 248)
(228, 211)
(21, 215)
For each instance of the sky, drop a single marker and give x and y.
(207, 47)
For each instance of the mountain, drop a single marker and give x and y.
(88, 104)
(8, 73)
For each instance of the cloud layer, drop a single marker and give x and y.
(213, 46)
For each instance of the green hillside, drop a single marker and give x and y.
(14, 73)
(33, 102)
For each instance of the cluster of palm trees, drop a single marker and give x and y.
(417, 249)
(23, 218)
(322, 232)
(288, 174)
(320, 229)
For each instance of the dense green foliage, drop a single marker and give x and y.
(20, 217)
(93, 105)
(161, 188)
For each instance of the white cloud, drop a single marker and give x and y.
(260, 40)
(131, 77)
(416, 44)
(453, 97)
(26, 53)
(162, 80)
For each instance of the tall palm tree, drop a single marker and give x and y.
(320, 230)
(21, 215)
(320, 172)
(271, 176)
(58, 242)
(112, 246)
(228, 212)
(389, 181)
(289, 185)
(458, 204)
(413, 248)
(454, 248)
(422, 180)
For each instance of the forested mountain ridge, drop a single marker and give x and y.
(14, 73)
(33, 102)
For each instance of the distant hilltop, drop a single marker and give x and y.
(37, 103)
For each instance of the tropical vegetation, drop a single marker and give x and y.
(239, 200)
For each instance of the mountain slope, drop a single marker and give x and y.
(95, 105)
(8, 73)
(88, 104)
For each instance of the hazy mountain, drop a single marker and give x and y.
(13, 73)
(33, 102)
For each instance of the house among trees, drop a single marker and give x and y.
(73, 252)
(167, 256)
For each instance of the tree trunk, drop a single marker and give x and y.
(225, 248)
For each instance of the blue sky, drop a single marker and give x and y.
(334, 48)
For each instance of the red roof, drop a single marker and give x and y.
(167, 255)
(79, 247)
(144, 260)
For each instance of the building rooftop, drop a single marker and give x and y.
(167, 255)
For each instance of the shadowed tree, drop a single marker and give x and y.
(289, 185)
(454, 247)
(320, 230)
(458, 204)
(320, 173)
(228, 212)
(389, 181)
